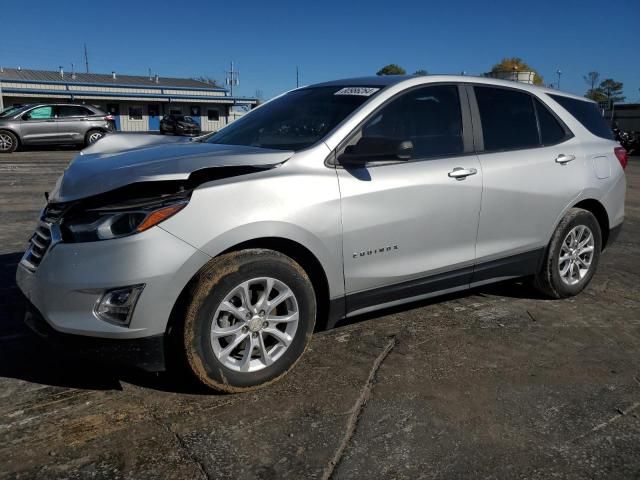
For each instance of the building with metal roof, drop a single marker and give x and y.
(136, 102)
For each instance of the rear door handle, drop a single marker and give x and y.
(562, 158)
(462, 173)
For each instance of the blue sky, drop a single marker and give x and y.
(327, 39)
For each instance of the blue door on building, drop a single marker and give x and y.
(154, 117)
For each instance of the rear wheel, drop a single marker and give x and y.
(93, 136)
(8, 142)
(572, 256)
(249, 319)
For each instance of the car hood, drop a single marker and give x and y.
(119, 160)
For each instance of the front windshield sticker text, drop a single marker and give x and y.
(361, 91)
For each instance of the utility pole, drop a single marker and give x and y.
(1, 101)
(233, 79)
(86, 58)
(297, 77)
(559, 72)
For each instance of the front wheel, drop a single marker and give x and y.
(249, 319)
(572, 255)
(8, 142)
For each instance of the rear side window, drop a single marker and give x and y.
(551, 131)
(587, 114)
(66, 111)
(508, 119)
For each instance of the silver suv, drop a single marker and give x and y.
(46, 124)
(324, 203)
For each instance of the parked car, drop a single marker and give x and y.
(47, 124)
(327, 202)
(179, 125)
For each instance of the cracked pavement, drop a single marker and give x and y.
(494, 383)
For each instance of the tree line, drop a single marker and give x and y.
(607, 90)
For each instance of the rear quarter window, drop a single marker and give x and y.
(587, 113)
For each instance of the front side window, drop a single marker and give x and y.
(428, 117)
(296, 120)
(135, 113)
(40, 113)
(508, 119)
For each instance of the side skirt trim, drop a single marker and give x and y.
(514, 266)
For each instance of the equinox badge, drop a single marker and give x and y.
(375, 251)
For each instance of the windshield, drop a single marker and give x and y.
(296, 120)
(9, 111)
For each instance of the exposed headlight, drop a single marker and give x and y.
(105, 224)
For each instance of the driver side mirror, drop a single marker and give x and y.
(376, 149)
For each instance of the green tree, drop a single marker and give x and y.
(591, 79)
(421, 72)
(610, 91)
(515, 64)
(391, 69)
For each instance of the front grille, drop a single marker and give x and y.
(41, 240)
(38, 245)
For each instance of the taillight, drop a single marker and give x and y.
(622, 155)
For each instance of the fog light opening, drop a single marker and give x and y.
(116, 306)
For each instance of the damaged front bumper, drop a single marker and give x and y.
(71, 278)
(146, 353)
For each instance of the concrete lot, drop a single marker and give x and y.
(496, 383)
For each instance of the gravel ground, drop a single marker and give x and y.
(493, 383)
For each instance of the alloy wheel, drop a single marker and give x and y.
(576, 254)
(95, 136)
(6, 142)
(255, 324)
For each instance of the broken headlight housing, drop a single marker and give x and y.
(115, 221)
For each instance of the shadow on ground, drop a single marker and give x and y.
(27, 357)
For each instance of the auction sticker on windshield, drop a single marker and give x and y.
(361, 91)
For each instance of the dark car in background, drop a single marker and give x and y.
(52, 124)
(179, 125)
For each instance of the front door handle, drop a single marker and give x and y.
(562, 158)
(460, 173)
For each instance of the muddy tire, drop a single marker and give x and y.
(249, 318)
(8, 142)
(572, 256)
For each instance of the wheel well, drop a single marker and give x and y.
(598, 211)
(294, 250)
(11, 131)
(305, 259)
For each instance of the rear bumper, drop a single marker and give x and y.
(146, 353)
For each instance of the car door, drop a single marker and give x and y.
(38, 126)
(531, 173)
(73, 122)
(409, 227)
